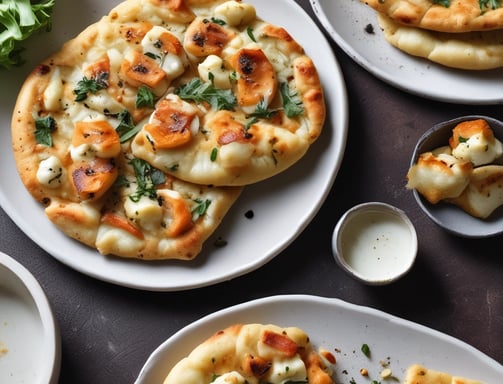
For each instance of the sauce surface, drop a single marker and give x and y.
(377, 245)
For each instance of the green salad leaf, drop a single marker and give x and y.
(19, 19)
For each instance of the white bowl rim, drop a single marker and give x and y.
(52, 338)
(373, 206)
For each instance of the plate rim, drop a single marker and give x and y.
(361, 60)
(335, 303)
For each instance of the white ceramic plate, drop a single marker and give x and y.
(30, 350)
(335, 324)
(448, 216)
(346, 20)
(283, 206)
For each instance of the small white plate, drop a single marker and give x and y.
(29, 336)
(340, 326)
(448, 216)
(282, 206)
(346, 22)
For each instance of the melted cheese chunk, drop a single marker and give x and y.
(212, 69)
(236, 154)
(53, 94)
(287, 370)
(111, 240)
(474, 141)
(230, 378)
(235, 13)
(50, 172)
(146, 212)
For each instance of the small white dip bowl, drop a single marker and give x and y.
(375, 243)
(30, 345)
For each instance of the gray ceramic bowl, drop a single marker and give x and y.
(375, 243)
(448, 216)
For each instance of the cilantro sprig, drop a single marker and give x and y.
(92, 85)
(292, 105)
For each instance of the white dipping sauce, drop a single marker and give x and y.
(376, 243)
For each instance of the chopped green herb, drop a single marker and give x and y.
(365, 350)
(200, 209)
(126, 128)
(249, 32)
(147, 179)
(198, 91)
(462, 139)
(292, 105)
(44, 127)
(218, 21)
(86, 86)
(145, 98)
(443, 3)
(489, 4)
(214, 153)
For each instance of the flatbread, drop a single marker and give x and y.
(253, 354)
(457, 16)
(418, 374)
(468, 51)
(256, 134)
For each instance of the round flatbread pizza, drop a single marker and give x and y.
(139, 133)
(443, 15)
(253, 354)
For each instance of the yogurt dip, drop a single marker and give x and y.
(375, 243)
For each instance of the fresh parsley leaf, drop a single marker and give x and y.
(199, 92)
(147, 179)
(249, 32)
(19, 19)
(86, 86)
(489, 4)
(200, 209)
(261, 112)
(126, 128)
(292, 105)
(365, 350)
(44, 127)
(214, 153)
(145, 98)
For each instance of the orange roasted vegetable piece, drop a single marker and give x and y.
(121, 222)
(280, 342)
(257, 77)
(139, 69)
(100, 137)
(94, 177)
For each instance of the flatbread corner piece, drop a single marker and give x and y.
(253, 354)
(419, 374)
(466, 51)
(453, 16)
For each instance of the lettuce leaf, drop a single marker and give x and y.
(19, 19)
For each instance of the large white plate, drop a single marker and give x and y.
(283, 206)
(335, 324)
(346, 20)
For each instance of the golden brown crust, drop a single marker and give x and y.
(459, 16)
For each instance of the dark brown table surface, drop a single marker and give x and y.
(456, 285)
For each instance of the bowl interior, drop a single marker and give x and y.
(375, 243)
(450, 217)
(29, 338)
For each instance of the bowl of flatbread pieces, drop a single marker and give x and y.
(462, 34)
(456, 175)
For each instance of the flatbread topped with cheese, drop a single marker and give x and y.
(251, 107)
(467, 50)
(444, 16)
(253, 354)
